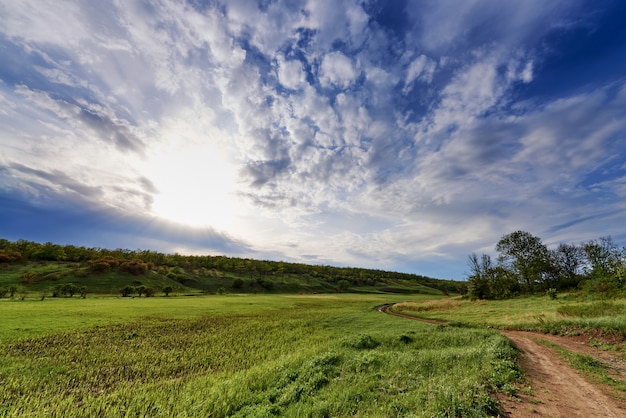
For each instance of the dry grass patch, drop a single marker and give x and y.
(429, 305)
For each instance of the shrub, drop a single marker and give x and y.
(10, 257)
(167, 290)
(29, 277)
(343, 285)
(12, 290)
(552, 293)
(127, 291)
(141, 290)
(266, 284)
(237, 283)
(134, 266)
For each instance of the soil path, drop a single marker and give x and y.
(556, 389)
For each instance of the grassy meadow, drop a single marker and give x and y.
(242, 356)
(567, 314)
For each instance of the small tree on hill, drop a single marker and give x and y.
(167, 290)
(127, 291)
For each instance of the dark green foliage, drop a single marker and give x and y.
(526, 255)
(343, 285)
(238, 283)
(525, 265)
(552, 293)
(67, 289)
(167, 290)
(127, 291)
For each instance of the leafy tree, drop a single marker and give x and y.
(167, 290)
(127, 291)
(489, 281)
(567, 261)
(604, 257)
(478, 280)
(525, 255)
(141, 290)
(343, 285)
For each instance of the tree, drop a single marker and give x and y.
(489, 281)
(167, 290)
(604, 257)
(127, 291)
(567, 261)
(478, 286)
(525, 255)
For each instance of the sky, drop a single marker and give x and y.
(397, 135)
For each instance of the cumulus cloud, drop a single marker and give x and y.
(337, 70)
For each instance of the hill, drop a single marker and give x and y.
(57, 270)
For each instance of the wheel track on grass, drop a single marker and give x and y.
(556, 389)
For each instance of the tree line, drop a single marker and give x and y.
(138, 262)
(526, 265)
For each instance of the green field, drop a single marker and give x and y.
(568, 314)
(242, 355)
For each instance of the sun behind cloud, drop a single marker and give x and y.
(196, 185)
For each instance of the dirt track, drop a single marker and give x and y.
(556, 389)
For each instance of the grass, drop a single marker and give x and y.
(565, 315)
(242, 356)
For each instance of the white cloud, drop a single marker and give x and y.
(422, 68)
(337, 70)
(406, 136)
(291, 73)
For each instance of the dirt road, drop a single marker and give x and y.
(556, 390)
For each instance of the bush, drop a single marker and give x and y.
(29, 277)
(237, 283)
(67, 289)
(135, 266)
(167, 290)
(552, 293)
(127, 291)
(10, 257)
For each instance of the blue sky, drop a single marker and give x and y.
(397, 135)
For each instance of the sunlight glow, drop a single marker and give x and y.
(196, 186)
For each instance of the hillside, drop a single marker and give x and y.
(55, 270)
